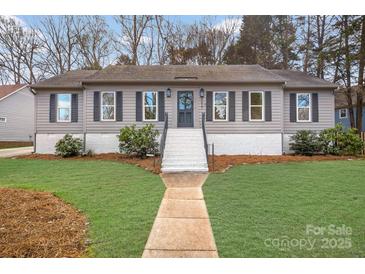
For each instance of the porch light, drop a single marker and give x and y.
(168, 92)
(201, 92)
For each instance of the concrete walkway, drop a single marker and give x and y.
(182, 228)
(12, 152)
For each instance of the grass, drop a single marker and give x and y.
(119, 200)
(251, 206)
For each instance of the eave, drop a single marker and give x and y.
(178, 82)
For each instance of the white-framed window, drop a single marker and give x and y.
(256, 100)
(342, 113)
(304, 106)
(220, 106)
(63, 107)
(107, 106)
(2, 119)
(150, 103)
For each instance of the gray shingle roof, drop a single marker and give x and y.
(297, 79)
(178, 73)
(183, 74)
(70, 79)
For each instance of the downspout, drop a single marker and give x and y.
(84, 117)
(282, 117)
(35, 121)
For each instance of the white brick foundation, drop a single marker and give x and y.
(286, 142)
(102, 143)
(246, 144)
(45, 143)
(224, 144)
(98, 143)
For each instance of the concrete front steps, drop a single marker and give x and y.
(184, 151)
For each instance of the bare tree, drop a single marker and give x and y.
(59, 44)
(218, 38)
(18, 49)
(307, 45)
(133, 35)
(165, 31)
(94, 41)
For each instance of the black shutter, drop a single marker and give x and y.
(96, 105)
(293, 107)
(245, 106)
(232, 106)
(52, 108)
(209, 106)
(119, 106)
(74, 107)
(161, 106)
(268, 116)
(138, 106)
(315, 113)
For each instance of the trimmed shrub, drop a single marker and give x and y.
(338, 141)
(138, 142)
(69, 146)
(304, 142)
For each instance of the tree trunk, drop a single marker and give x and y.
(320, 39)
(134, 46)
(360, 89)
(307, 45)
(348, 71)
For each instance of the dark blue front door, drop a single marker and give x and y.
(185, 109)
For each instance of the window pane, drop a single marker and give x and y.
(63, 114)
(64, 100)
(303, 114)
(303, 100)
(185, 101)
(256, 113)
(150, 113)
(108, 112)
(220, 98)
(150, 98)
(343, 113)
(256, 98)
(220, 112)
(108, 99)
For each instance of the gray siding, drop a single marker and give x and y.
(129, 116)
(42, 115)
(18, 109)
(242, 127)
(326, 106)
(279, 124)
(129, 109)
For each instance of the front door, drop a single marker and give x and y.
(185, 109)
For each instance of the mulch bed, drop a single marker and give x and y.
(149, 163)
(224, 162)
(38, 225)
(11, 144)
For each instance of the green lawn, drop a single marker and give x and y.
(120, 200)
(256, 209)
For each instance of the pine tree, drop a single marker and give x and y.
(254, 44)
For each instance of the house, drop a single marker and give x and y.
(243, 109)
(342, 112)
(16, 113)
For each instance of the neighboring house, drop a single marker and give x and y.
(342, 111)
(248, 109)
(16, 113)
